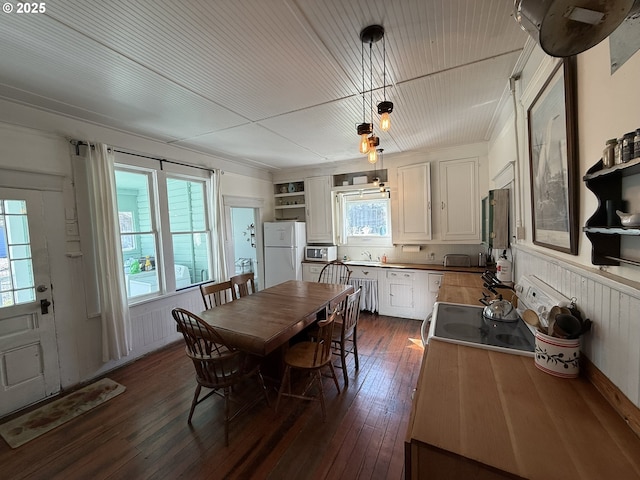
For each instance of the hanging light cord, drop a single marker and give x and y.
(384, 68)
(371, 79)
(364, 110)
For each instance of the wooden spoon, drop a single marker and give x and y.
(531, 318)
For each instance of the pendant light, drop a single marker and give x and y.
(368, 140)
(364, 129)
(385, 107)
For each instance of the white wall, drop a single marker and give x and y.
(607, 107)
(34, 147)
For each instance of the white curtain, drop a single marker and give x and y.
(116, 321)
(219, 272)
(368, 293)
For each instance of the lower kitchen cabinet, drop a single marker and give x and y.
(311, 271)
(403, 293)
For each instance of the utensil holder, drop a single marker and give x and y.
(557, 356)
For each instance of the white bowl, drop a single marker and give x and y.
(557, 356)
(629, 219)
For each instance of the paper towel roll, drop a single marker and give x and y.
(411, 248)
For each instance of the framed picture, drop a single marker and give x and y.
(553, 162)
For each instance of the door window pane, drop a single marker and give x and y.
(17, 284)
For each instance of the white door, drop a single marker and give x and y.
(29, 369)
(317, 192)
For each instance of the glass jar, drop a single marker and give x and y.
(618, 152)
(636, 144)
(627, 146)
(608, 154)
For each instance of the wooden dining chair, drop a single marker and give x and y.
(218, 366)
(335, 272)
(311, 357)
(243, 284)
(345, 333)
(215, 294)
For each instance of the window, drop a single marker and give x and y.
(365, 218)
(189, 232)
(164, 229)
(138, 240)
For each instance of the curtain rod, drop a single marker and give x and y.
(79, 143)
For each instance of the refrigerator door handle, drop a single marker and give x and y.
(293, 259)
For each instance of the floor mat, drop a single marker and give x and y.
(44, 419)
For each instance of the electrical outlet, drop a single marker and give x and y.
(520, 233)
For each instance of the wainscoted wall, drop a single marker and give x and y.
(613, 345)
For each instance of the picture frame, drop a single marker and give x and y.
(553, 161)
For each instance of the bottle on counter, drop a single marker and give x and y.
(384, 258)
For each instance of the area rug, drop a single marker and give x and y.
(44, 419)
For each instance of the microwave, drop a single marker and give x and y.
(320, 254)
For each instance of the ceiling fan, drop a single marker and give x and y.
(564, 28)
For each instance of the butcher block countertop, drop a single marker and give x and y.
(486, 415)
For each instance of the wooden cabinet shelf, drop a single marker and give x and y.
(605, 236)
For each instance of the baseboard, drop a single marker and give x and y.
(621, 404)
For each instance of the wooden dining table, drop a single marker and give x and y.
(266, 320)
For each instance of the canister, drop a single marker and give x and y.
(636, 144)
(627, 146)
(608, 154)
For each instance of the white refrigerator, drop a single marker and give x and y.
(284, 244)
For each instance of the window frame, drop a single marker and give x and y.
(341, 202)
(159, 173)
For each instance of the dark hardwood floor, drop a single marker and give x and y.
(143, 433)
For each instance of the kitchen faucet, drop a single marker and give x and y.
(367, 254)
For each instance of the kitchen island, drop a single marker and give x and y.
(486, 415)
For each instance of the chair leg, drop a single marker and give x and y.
(226, 417)
(318, 376)
(285, 381)
(333, 374)
(264, 388)
(355, 349)
(343, 359)
(194, 402)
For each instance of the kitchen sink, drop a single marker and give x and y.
(371, 263)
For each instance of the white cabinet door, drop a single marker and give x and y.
(318, 211)
(460, 205)
(413, 222)
(397, 297)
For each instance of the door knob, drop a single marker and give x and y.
(41, 288)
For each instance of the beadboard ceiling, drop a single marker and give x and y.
(271, 83)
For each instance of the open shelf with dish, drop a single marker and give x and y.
(289, 200)
(603, 229)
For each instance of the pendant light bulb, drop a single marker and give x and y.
(385, 122)
(364, 143)
(384, 109)
(373, 156)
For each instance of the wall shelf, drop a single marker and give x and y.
(603, 228)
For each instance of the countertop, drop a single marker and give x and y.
(494, 415)
(438, 267)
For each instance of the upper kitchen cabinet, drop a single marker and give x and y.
(414, 204)
(289, 200)
(318, 209)
(459, 201)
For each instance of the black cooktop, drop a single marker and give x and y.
(465, 324)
